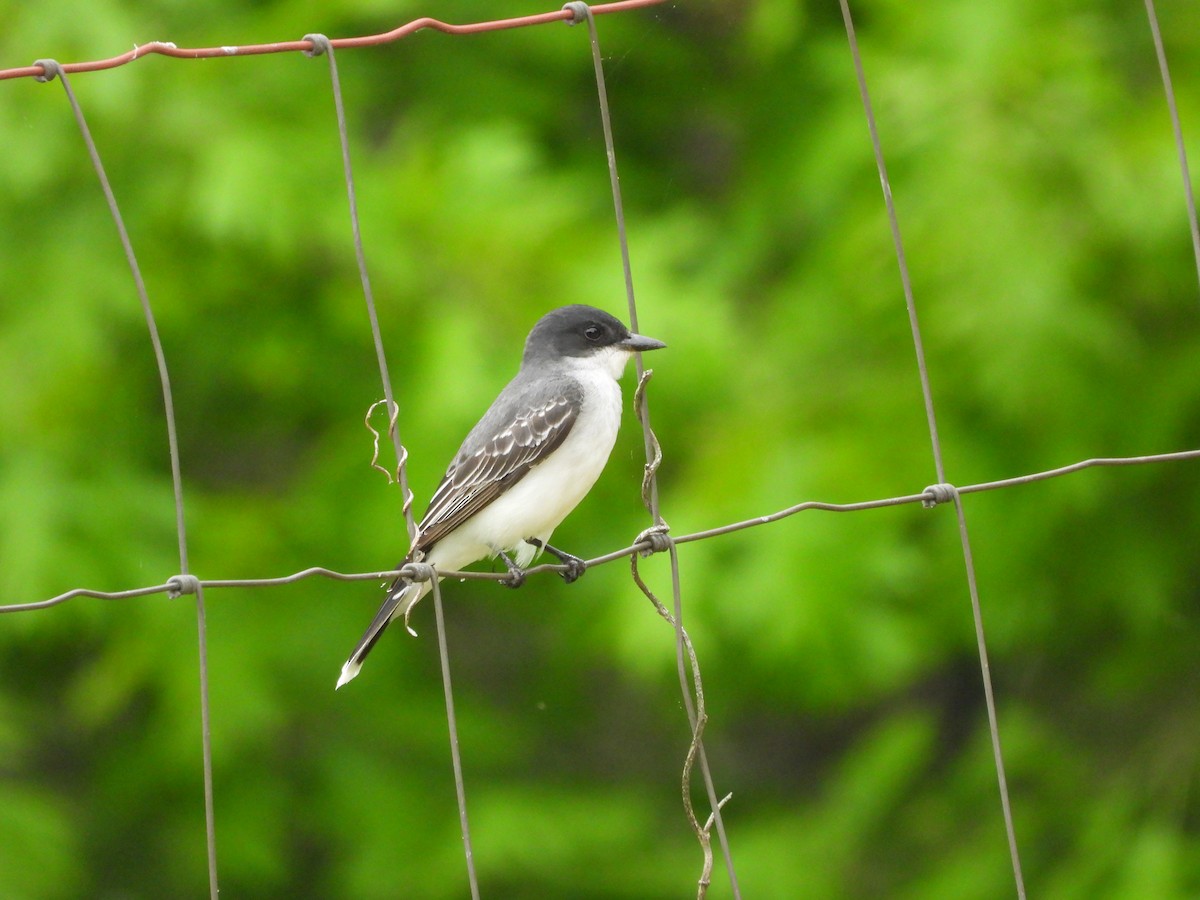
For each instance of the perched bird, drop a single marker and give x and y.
(533, 456)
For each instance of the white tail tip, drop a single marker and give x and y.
(349, 672)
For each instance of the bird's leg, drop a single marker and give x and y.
(575, 566)
(516, 575)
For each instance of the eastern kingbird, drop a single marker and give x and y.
(528, 462)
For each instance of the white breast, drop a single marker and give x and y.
(536, 504)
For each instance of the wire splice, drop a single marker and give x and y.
(320, 45)
(938, 493)
(51, 69)
(178, 585)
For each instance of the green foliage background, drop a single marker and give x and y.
(1037, 185)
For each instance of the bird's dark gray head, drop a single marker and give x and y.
(579, 331)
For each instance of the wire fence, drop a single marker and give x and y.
(657, 538)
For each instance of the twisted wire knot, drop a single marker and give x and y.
(320, 45)
(938, 493)
(578, 10)
(50, 70)
(182, 584)
(418, 571)
(658, 537)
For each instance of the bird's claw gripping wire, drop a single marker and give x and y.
(516, 575)
(575, 567)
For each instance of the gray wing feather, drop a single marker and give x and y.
(509, 440)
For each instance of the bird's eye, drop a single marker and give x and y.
(593, 333)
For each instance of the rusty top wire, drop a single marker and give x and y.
(166, 48)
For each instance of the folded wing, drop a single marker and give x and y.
(492, 461)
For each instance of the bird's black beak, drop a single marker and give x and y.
(636, 342)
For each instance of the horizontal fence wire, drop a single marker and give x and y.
(929, 497)
(655, 538)
(168, 49)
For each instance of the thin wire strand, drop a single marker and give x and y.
(927, 497)
(698, 718)
(989, 697)
(50, 69)
(968, 560)
(1180, 146)
(210, 822)
(622, 233)
(323, 45)
(168, 49)
(701, 716)
(452, 725)
(582, 11)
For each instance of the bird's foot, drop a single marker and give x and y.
(516, 575)
(575, 567)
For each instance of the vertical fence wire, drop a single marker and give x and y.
(582, 12)
(51, 69)
(452, 724)
(947, 491)
(1180, 147)
(321, 45)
